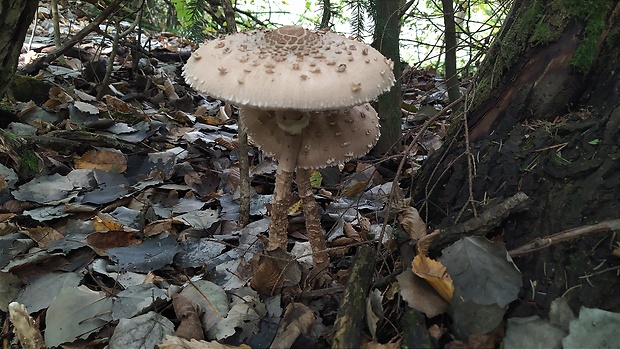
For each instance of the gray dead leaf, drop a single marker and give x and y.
(86, 107)
(482, 271)
(241, 316)
(9, 176)
(9, 287)
(12, 245)
(195, 252)
(40, 292)
(46, 213)
(202, 219)
(532, 332)
(136, 300)
(151, 254)
(212, 299)
(75, 234)
(45, 189)
(594, 328)
(141, 332)
(76, 312)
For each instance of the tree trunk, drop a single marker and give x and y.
(387, 32)
(544, 119)
(15, 18)
(450, 41)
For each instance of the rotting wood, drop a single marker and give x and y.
(349, 321)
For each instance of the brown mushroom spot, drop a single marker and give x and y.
(325, 66)
(328, 137)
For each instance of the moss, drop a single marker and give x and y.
(25, 88)
(594, 14)
(30, 161)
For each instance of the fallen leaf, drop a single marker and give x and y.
(420, 295)
(106, 160)
(274, 270)
(43, 236)
(298, 319)
(435, 274)
(412, 223)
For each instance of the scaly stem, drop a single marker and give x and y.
(313, 223)
(278, 225)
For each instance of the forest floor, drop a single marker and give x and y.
(118, 224)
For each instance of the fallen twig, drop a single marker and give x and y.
(544, 242)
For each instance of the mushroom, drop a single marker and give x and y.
(328, 138)
(285, 80)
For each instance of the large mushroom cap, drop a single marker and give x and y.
(289, 68)
(330, 137)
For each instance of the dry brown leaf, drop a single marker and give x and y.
(171, 342)
(435, 274)
(274, 270)
(43, 236)
(355, 189)
(189, 314)
(105, 222)
(351, 233)
(298, 319)
(3, 183)
(376, 345)
(425, 242)
(100, 242)
(412, 223)
(420, 295)
(117, 105)
(616, 251)
(160, 226)
(106, 160)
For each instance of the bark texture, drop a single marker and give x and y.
(15, 18)
(544, 119)
(387, 30)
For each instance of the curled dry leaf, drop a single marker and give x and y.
(412, 223)
(435, 274)
(189, 314)
(298, 319)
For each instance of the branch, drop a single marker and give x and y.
(38, 64)
(544, 242)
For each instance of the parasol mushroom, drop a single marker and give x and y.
(292, 75)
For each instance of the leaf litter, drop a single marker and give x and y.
(126, 205)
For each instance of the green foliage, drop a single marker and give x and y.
(192, 16)
(361, 12)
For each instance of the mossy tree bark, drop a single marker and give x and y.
(15, 18)
(544, 118)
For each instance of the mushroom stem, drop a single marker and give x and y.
(313, 223)
(278, 224)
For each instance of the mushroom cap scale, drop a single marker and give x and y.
(289, 68)
(330, 138)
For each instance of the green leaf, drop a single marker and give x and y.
(316, 178)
